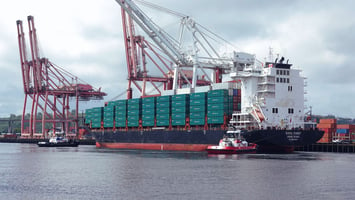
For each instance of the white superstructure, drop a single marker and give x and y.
(272, 94)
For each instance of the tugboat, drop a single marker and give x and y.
(232, 143)
(59, 140)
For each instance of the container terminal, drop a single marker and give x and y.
(199, 95)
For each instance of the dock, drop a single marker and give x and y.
(328, 147)
(35, 141)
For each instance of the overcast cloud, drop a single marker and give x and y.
(85, 38)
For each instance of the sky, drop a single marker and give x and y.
(85, 38)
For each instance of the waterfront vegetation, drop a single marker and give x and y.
(12, 124)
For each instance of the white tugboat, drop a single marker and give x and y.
(58, 139)
(272, 108)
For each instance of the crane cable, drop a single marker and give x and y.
(161, 8)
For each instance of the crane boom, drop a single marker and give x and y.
(153, 31)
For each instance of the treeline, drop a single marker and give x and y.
(14, 121)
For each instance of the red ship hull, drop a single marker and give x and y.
(153, 146)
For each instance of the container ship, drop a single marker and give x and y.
(204, 94)
(265, 102)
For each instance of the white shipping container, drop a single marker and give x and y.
(168, 92)
(202, 89)
(184, 91)
(219, 86)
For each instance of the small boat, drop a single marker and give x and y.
(59, 141)
(232, 143)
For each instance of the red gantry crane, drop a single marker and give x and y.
(178, 67)
(48, 90)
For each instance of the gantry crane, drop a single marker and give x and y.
(50, 89)
(178, 66)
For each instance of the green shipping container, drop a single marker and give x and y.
(133, 124)
(197, 115)
(122, 102)
(111, 103)
(134, 112)
(120, 124)
(97, 115)
(163, 116)
(132, 118)
(108, 114)
(88, 116)
(163, 110)
(134, 101)
(163, 104)
(120, 119)
(148, 100)
(179, 109)
(108, 119)
(109, 108)
(164, 122)
(178, 122)
(108, 124)
(217, 106)
(96, 125)
(96, 120)
(216, 113)
(97, 109)
(88, 111)
(178, 116)
(215, 120)
(195, 122)
(148, 112)
(217, 99)
(121, 112)
(148, 106)
(121, 108)
(180, 97)
(163, 99)
(199, 95)
(201, 108)
(148, 117)
(197, 102)
(179, 103)
(217, 93)
(148, 123)
(134, 106)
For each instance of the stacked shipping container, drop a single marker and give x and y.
(345, 132)
(179, 109)
(236, 98)
(336, 132)
(94, 116)
(163, 110)
(329, 128)
(120, 113)
(148, 111)
(196, 109)
(217, 106)
(109, 112)
(134, 112)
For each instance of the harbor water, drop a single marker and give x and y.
(85, 172)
